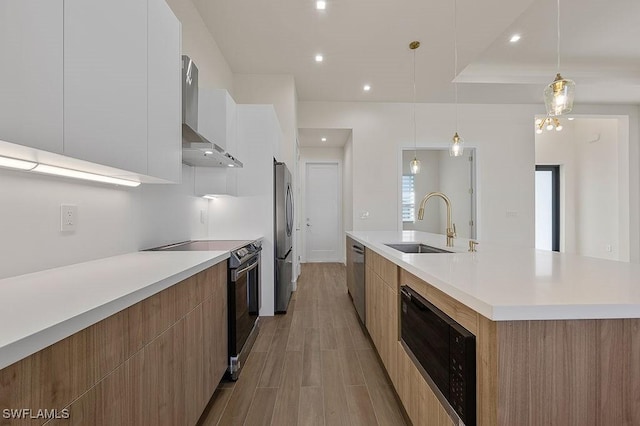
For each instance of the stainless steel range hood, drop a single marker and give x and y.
(196, 149)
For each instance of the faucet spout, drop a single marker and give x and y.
(451, 227)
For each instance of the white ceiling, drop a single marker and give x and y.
(366, 41)
(336, 138)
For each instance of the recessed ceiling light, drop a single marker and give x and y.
(321, 5)
(515, 38)
(571, 118)
(319, 58)
(323, 139)
(366, 88)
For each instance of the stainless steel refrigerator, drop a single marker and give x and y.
(283, 236)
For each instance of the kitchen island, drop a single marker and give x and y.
(139, 338)
(557, 335)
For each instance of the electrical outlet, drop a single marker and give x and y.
(68, 217)
(608, 248)
(511, 213)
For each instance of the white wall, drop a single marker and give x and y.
(318, 155)
(170, 213)
(251, 213)
(557, 148)
(455, 182)
(380, 130)
(504, 138)
(587, 150)
(213, 70)
(278, 90)
(347, 185)
(111, 220)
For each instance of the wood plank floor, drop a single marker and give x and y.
(312, 366)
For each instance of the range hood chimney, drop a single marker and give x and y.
(196, 149)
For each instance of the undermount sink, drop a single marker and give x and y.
(416, 248)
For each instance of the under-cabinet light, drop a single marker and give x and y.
(14, 163)
(216, 196)
(76, 174)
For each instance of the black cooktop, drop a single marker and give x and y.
(205, 245)
(240, 250)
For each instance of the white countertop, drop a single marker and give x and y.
(39, 309)
(517, 284)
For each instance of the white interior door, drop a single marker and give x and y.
(323, 212)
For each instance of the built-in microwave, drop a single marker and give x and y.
(445, 350)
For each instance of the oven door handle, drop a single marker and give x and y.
(405, 293)
(236, 274)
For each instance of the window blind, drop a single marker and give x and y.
(408, 198)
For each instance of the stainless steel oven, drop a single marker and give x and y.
(243, 305)
(243, 293)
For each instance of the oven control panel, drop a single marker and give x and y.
(243, 254)
(462, 381)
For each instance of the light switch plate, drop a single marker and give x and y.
(68, 217)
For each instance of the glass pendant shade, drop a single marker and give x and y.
(414, 166)
(457, 146)
(558, 96)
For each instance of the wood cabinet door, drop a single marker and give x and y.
(216, 356)
(390, 331)
(31, 82)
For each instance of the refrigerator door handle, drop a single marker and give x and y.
(289, 211)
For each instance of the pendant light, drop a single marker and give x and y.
(414, 165)
(558, 95)
(457, 143)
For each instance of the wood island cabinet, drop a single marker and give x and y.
(381, 295)
(528, 372)
(157, 362)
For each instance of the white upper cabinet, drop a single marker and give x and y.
(215, 181)
(217, 118)
(31, 43)
(165, 93)
(218, 122)
(94, 80)
(105, 82)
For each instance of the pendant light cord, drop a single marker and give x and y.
(558, 40)
(455, 58)
(415, 148)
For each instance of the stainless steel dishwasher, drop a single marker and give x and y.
(358, 275)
